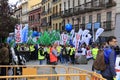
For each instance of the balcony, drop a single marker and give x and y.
(109, 3)
(44, 13)
(107, 25)
(43, 1)
(56, 15)
(76, 10)
(55, 1)
(49, 10)
(97, 5)
(44, 22)
(65, 13)
(88, 6)
(49, 23)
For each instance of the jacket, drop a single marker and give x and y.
(110, 69)
(53, 57)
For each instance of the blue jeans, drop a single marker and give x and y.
(41, 62)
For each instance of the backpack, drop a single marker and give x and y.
(102, 59)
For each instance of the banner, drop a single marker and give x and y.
(64, 38)
(18, 33)
(72, 34)
(117, 67)
(98, 33)
(77, 40)
(25, 34)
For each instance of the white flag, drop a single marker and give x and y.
(85, 32)
(80, 31)
(87, 39)
(98, 33)
(72, 34)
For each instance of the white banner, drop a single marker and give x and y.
(117, 67)
(72, 34)
(76, 40)
(18, 33)
(64, 38)
(98, 33)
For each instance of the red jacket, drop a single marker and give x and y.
(53, 58)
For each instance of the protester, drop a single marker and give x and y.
(53, 54)
(94, 53)
(110, 58)
(4, 58)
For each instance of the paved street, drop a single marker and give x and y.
(81, 66)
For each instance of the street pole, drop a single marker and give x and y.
(93, 33)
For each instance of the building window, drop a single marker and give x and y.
(83, 20)
(73, 3)
(73, 21)
(48, 7)
(78, 2)
(68, 20)
(98, 17)
(56, 9)
(68, 4)
(60, 7)
(56, 26)
(109, 16)
(90, 19)
(60, 26)
(64, 5)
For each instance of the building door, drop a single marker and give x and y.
(117, 28)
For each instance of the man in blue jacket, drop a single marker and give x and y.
(110, 58)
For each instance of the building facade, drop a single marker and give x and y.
(46, 18)
(35, 17)
(90, 14)
(56, 15)
(18, 14)
(24, 4)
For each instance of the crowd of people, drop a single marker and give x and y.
(55, 54)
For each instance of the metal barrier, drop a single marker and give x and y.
(48, 72)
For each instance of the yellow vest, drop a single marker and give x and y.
(48, 50)
(32, 48)
(59, 49)
(40, 57)
(72, 50)
(94, 52)
(18, 48)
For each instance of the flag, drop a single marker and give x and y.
(25, 34)
(87, 39)
(98, 33)
(18, 33)
(84, 34)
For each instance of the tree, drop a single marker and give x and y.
(7, 22)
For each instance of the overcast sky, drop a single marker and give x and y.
(12, 1)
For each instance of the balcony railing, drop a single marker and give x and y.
(107, 25)
(49, 10)
(49, 23)
(44, 22)
(88, 7)
(55, 1)
(43, 1)
(44, 12)
(56, 15)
